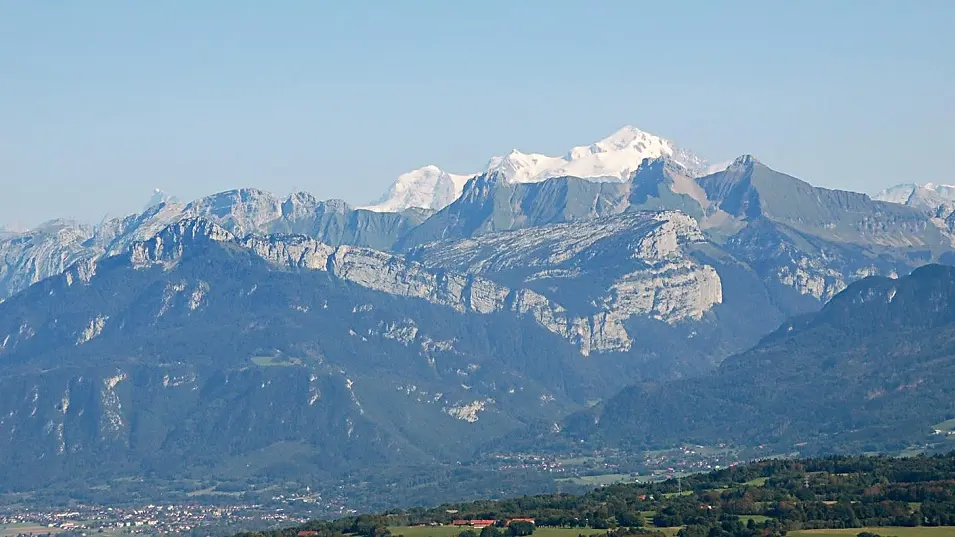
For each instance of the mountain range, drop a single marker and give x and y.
(247, 336)
(613, 158)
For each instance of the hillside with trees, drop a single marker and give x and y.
(764, 498)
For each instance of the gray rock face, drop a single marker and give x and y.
(636, 265)
(809, 243)
(657, 279)
(28, 257)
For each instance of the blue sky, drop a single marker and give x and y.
(100, 102)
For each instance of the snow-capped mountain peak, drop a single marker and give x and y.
(428, 187)
(613, 158)
(932, 198)
(627, 137)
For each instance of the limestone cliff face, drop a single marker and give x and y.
(624, 266)
(654, 276)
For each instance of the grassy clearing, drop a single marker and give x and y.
(452, 531)
(599, 480)
(10, 530)
(758, 482)
(947, 425)
(211, 491)
(921, 531)
(275, 361)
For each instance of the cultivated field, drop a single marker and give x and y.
(452, 531)
(10, 530)
(885, 531)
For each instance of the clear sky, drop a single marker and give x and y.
(100, 102)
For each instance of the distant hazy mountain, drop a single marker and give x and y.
(159, 197)
(613, 158)
(424, 188)
(936, 201)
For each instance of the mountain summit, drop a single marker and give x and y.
(424, 188)
(931, 198)
(612, 159)
(158, 198)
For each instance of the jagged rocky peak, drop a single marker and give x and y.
(482, 186)
(661, 166)
(664, 176)
(241, 211)
(733, 183)
(744, 162)
(168, 245)
(298, 205)
(613, 158)
(28, 257)
(336, 206)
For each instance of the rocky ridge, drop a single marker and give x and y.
(28, 257)
(661, 281)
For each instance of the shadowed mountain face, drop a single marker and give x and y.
(873, 370)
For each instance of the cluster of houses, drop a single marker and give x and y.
(481, 524)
